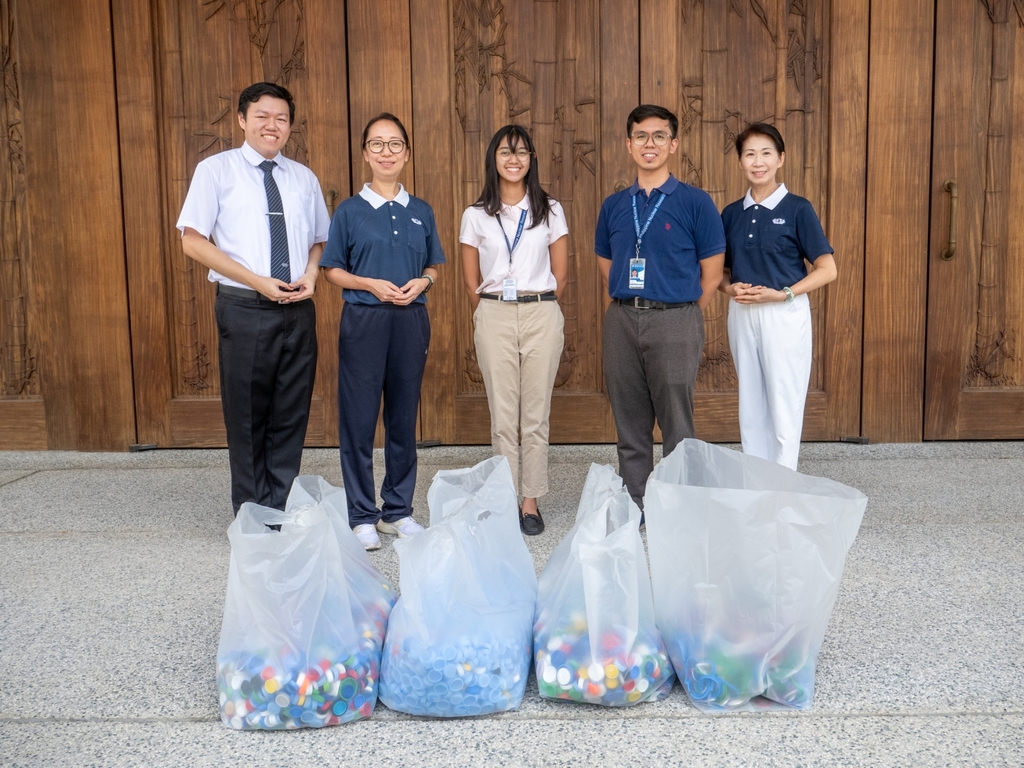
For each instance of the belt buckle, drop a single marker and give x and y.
(637, 304)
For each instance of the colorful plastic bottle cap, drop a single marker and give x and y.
(564, 677)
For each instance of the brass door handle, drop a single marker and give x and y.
(332, 197)
(950, 250)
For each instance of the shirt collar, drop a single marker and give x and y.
(769, 202)
(667, 188)
(522, 205)
(254, 158)
(402, 198)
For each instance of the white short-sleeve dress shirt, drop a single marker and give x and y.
(227, 202)
(530, 263)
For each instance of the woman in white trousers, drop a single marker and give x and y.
(776, 253)
(515, 256)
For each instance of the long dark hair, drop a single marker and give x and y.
(490, 198)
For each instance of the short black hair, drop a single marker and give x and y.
(257, 91)
(760, 129)
(645, 111)
(385, 116)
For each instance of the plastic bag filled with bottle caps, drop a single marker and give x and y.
(746, 560)
(595, 638)
(304, 618)
(459, 638)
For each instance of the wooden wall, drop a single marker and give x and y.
(67, 368)
(106, 335)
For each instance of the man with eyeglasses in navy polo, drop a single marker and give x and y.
(661, 248)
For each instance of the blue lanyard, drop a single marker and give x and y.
(636, 220)
(519, 233)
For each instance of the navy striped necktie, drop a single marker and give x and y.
(280, 267)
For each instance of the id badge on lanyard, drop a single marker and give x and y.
(508, 285)
(636, 274)
(508, 289)
(637, 265)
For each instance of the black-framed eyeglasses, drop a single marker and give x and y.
(660, 138)
(377, 146)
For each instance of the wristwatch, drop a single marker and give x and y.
(430, 282)
(789, 293)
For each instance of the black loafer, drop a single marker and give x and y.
(531, 525)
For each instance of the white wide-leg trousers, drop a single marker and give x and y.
(771, 349)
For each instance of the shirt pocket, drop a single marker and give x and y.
(299, 212)
(780, 239)
(417, 239)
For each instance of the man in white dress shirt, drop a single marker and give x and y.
(266, 272)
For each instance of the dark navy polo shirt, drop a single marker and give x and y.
(393, 242)
(686, 230)
(767, 246)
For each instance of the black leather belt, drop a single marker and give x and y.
(639, 303)
(524, 298)
(242, 293)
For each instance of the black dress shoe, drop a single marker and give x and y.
(531, 525)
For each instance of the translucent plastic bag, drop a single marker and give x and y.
(746, 560)
(594, 638)
(304, 617)
(459, 638)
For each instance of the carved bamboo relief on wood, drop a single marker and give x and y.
(994, 361)
(740, 62)
(534, 63)
(212, 49)
(18, 373)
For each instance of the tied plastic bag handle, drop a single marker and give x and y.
(488, 485)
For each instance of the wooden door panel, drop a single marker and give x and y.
(22, 408)
(722, 65)
(974, 386)
(205, 53)
(560, 69)
(65, 368)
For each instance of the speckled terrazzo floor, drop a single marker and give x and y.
(113, 569)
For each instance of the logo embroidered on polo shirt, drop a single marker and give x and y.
(667, 226)
(416, 221)
(778, 221)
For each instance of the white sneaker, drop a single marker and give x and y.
(404, 527)
(367, 536)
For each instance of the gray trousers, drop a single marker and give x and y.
(651, 357)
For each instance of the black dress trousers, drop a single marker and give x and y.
(267, 357)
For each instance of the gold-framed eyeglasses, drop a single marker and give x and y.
(520, 154)
(377, 146)
(660, 138)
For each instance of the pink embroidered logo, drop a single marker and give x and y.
(667, 226)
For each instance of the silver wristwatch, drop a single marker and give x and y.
(789, 293)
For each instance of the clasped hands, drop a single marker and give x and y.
(389, 293)
(745, 293)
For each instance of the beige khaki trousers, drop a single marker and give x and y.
(518, 347)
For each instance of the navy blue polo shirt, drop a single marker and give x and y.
(394, 240)
(766, 243)
(686, 230)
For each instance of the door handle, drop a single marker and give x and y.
(950, 250)
(332, 197)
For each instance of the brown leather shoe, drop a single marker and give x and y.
(531, 525)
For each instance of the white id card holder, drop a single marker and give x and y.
(508, 289)
(636, 274)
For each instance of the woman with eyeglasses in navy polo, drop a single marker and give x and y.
(515, 256)
(381, 251)
(776, 253)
